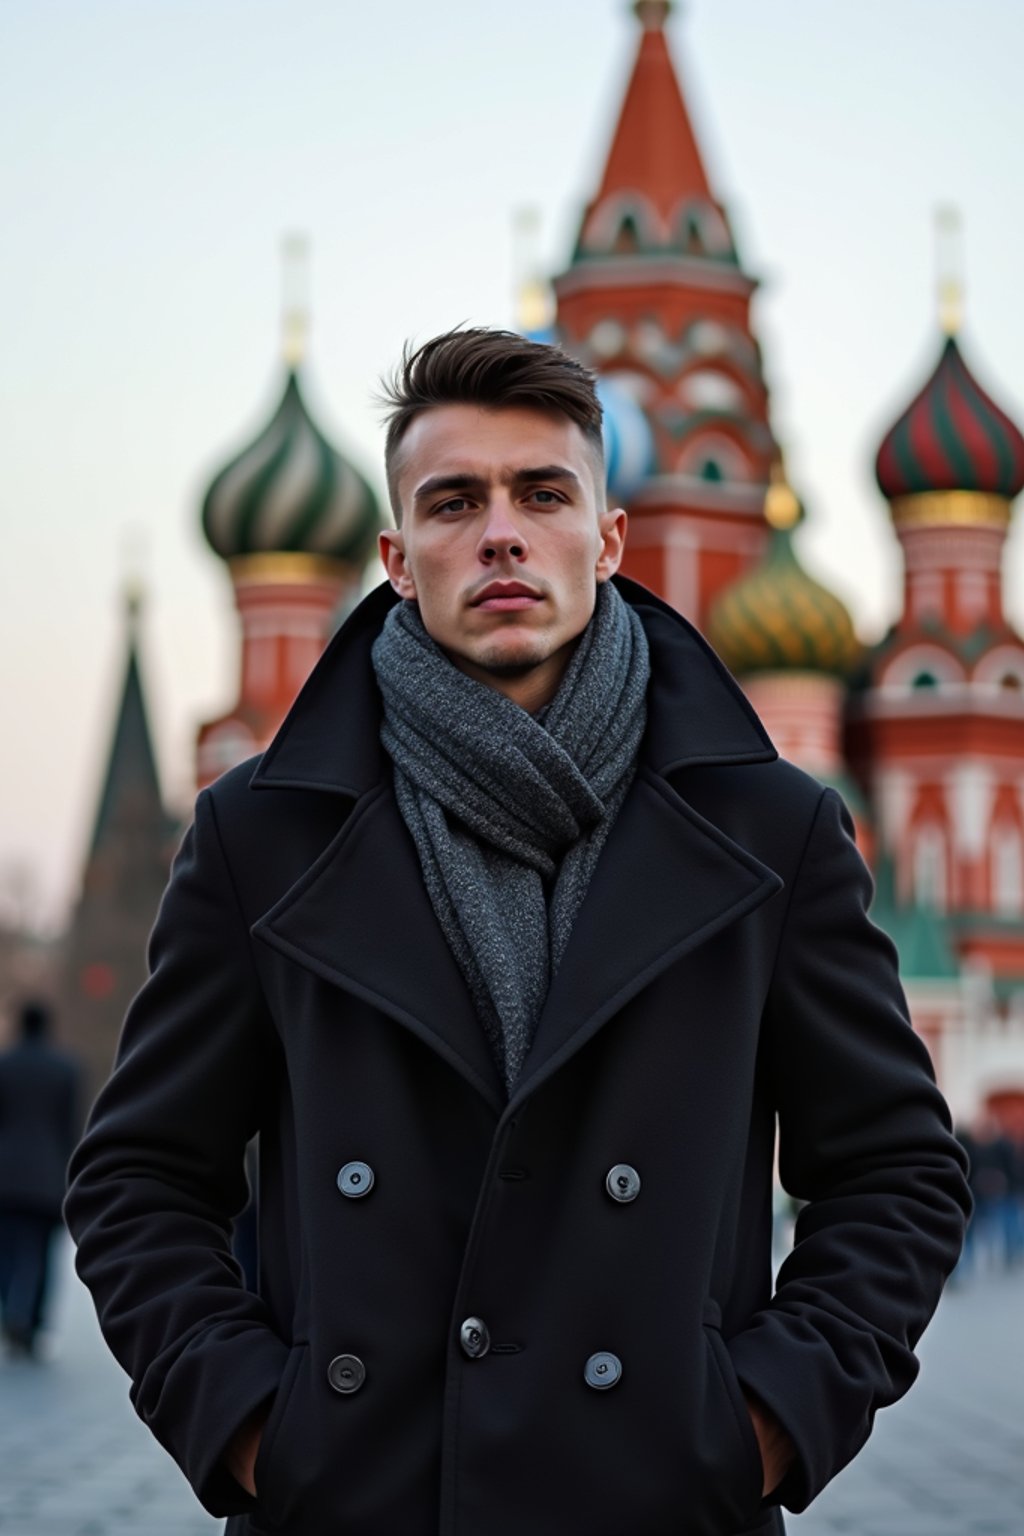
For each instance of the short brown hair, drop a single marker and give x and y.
(475, 365)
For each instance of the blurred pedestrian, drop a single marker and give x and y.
(991, 1181)
(1014, 1220)
(39, 1087)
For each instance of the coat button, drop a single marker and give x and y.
(346, 1373)
(602, 1371)
(475, 1338)
(622, 1183)
(355, 1180)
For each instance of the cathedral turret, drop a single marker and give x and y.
(655, 299)
(792, 645)
(949, 468)
(936, 730)
(296, 522)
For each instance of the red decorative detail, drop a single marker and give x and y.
(97, 981)
(1007, 1108)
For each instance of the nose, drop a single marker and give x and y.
(501, 534)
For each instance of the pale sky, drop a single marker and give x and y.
(156, 151)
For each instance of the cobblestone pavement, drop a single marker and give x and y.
(948, 1461)
(74, 1458)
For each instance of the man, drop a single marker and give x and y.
(39, 1087)
(513, 947)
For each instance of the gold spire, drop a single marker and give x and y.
(295, 297)
(949, 267)
(534, 308)
(781, 507)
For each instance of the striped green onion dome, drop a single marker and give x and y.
(952, 437)
(777, 618)
(291, 491)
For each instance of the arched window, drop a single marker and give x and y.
(924, 680)
(1007, 871)
(627, 237)
(701, 230)
(930, 884)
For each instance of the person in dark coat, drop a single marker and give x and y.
(39, 1087)
(515, 947)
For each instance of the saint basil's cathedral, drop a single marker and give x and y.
(923, 733)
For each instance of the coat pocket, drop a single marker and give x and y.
(271, 1489)
(749, 1471)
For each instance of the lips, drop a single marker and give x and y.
(506, 597)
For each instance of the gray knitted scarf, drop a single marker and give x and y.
(509, 811)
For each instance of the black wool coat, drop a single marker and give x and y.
(472, 1332)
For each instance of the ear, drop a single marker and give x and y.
(391, 544)
(612, 525)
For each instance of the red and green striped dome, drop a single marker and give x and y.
(952, 437)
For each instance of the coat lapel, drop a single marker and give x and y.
(361, 918)
(666, 881)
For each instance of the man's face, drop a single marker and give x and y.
(503, 542)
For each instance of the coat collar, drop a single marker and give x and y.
(697, 713)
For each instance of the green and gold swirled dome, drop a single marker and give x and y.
(776, 617)
(291, 492)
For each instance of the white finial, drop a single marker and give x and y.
(295, 297)
(949, 267)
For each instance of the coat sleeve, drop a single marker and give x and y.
(158, 1177)
(864, 1138)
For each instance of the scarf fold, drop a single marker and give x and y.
(509, 811)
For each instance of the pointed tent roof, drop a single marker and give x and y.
(654, 148)
(131, 784)
(654, 161)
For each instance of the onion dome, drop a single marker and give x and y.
(291, 491)
(777, 617)
(629, 453)
(952, 438)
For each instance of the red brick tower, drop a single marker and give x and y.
(656, 300)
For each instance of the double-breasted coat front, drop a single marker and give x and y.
(488, 1317)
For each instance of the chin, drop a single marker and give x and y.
(511, 660)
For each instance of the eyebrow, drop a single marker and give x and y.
(530, 476)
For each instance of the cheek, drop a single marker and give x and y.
(435, 583)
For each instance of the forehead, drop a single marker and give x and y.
(472, 440)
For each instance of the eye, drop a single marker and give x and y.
(546, 498)
(454, 505)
